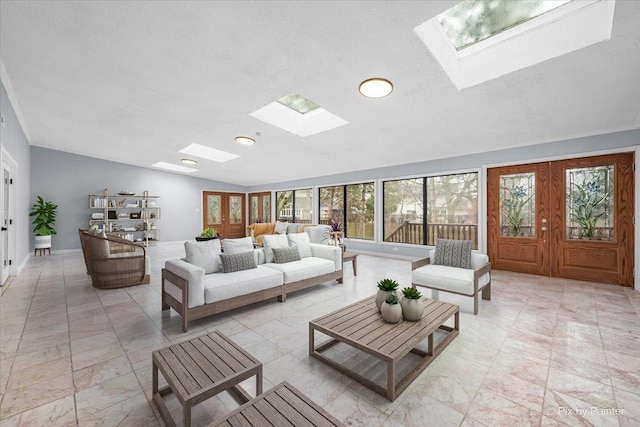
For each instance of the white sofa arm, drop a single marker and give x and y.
(478, 260)
(194, 275)
(332, 253)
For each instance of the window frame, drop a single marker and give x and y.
(293, 203)
(345, 206)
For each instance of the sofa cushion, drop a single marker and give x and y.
(306, 268)
(453, 253)
(236, 246)
(281, 227)
(302, 242)
(205, 255)
(274, 241)
(237, 262)
(282, 255)
(452, 279)
(218, 287)
(318, 234)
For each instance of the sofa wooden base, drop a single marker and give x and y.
(199, 312)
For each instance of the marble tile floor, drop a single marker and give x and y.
(543, 352)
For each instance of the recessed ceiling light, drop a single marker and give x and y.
(245, 140)
(376, 87)
(190, 161)
(209, 153)
(175, 168)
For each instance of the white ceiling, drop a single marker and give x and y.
(137, 81)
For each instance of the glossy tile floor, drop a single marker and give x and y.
(542, 352)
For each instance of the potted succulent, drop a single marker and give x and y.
(207, 234)
(411, 304)
(44, 221)
(391, 309)
(386, 287)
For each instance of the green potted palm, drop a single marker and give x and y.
(44, 221)
(386, 287)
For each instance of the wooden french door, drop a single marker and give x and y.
(260, 207)
(569, 218)
(225, 212)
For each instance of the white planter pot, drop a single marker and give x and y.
(381, 296)
(42, 242)
(412, 309)
(391, 313)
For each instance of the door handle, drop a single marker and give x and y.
(543, 228)
(4, 228)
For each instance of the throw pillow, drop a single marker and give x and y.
(236, 246)
(284, 255)
(453, 253)
(281, 227)
(273, 241)
(237, 262)
(301, 240)
(205, 255)
(318, 234)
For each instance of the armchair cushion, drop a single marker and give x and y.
(281, 227)
(453, 253)
(453, 279)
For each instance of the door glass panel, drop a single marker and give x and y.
(590, 203)
(213, 209)
(266, 209)
(254, 213)
(235, 210)
(517, 203)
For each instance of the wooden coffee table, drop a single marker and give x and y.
(201, 368)
(283, 405)
(361, 326)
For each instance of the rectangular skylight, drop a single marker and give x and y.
(209, 153)
(175, 168)
(472, 21)
(311, 123)
(298, 103)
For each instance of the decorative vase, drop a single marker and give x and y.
(381, 296)
(412, 308)
(391, 313)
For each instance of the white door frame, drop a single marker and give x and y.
(10, 164)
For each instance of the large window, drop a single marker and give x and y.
(294, 206)
(352, 206)
(451, 209)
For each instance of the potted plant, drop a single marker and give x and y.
(207, 234)
(44, 221)
(391, 309)
(411, 304)
(386, 287)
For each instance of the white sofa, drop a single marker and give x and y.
(215, 292)
(461, 281)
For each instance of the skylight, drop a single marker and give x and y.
(488, 45)
(209, 153)
(298, 115)
(175, 168)
(298, 103)
(472, 21)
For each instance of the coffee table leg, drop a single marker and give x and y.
(154, 377)
(259, 382)
(187, 415)
(311, 339)
(391, 380)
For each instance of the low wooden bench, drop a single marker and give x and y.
(283, 405)
(200, 368)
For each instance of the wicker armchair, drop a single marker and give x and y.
(113, 262)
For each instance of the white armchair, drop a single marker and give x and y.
(455, 280)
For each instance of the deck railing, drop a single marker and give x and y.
(410, 232)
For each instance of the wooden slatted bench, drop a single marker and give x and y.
(281, 406)
(201, 368)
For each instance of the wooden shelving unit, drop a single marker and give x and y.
(130, 216)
